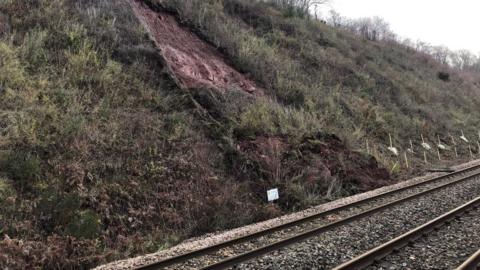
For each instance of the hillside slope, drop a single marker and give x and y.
(108, 150)
(349, 83)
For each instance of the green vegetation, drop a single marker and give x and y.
(344, 79)
(101, 153)
(93, 136)
(268, 118)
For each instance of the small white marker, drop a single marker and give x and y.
(425, 145)
(272, 195)
(440, 144)
(391, 148)
(411, 148)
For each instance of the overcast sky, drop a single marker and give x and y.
(455, 24)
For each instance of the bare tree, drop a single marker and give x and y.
(467, 59)
(441, 54)
(304, 6)
(476, 66)
(335, 19)
(424, 47)
(374, 28)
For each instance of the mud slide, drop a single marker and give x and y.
(192, 62)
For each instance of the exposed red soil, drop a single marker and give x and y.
(193, 62)
(320, 159)
(361, 171)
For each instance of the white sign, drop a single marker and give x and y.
(272, 195)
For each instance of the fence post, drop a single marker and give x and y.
(406, 159)
(454, 145)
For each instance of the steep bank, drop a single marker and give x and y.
(115, 145)
(361, 89)
(106, 152)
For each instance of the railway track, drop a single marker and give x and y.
(473, 263)
(251, 246)
(370, 257)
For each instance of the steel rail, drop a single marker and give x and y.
(473, 263)
(401, 241)
(232, 261)
(242, 239)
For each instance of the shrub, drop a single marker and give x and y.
(33, 50)
(257, 120)
(7, 206)
(299, 196)
(23, 168)
(12, 74)
(175, 127)
(6, 189)
(444, 76)
(86, 224)
(62, 213)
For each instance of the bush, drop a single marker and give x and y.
(12, 74)
(62, 213)
(6, 190)
(33, 51)
(444, 76)
(86, 224)
(23, 168)
(175, 127)
(7, 206)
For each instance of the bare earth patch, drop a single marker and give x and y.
(191, 61)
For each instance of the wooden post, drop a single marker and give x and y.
(391, 142)
(470, 149)
(406, 159)
(394, 167)
(425, 157)
(454, 145)
(438, 147)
